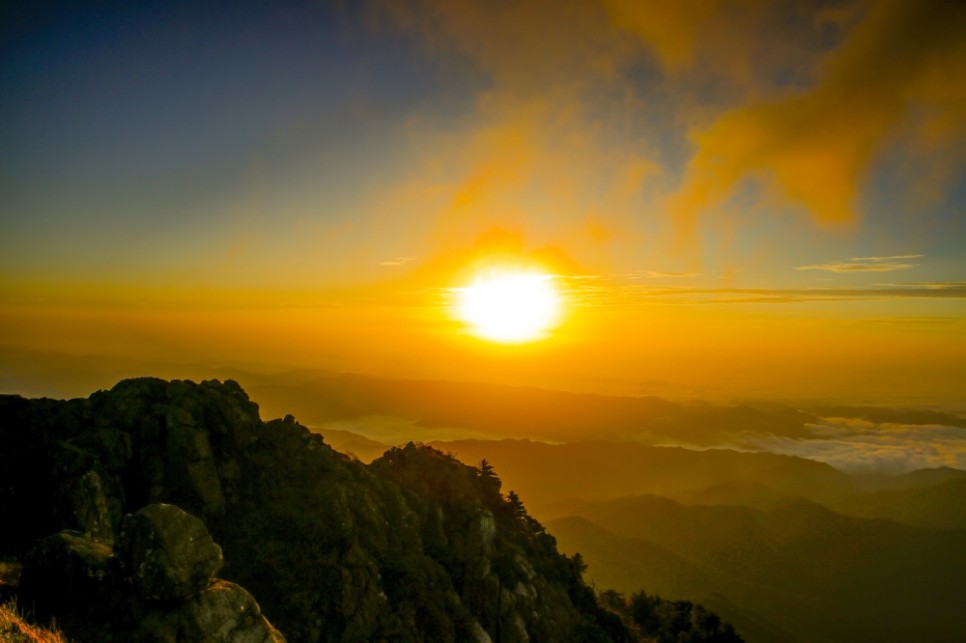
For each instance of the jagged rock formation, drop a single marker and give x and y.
(158, 586)
(416, 546)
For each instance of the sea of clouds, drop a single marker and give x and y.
(861, 446)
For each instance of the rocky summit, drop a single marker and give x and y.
(169, 511)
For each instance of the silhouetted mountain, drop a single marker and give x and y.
(554, 476)
(358, 446)
(647, 564)
(419, 546)
(941, 505)
(741, 492)
(416, 546)
(503, 411)
(800, 571)
(917, 479)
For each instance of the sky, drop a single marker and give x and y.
(734, 198)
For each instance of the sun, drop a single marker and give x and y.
(509, 307)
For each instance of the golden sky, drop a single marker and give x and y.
(732, 198)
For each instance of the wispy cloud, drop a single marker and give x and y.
(608, 293)
(889, 258)
(846, 266)
(866, 264)
(397, 261)
(655, 274)
(928, 285)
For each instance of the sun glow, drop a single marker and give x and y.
(509, 307)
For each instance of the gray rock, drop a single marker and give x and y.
(192, 471)
(167, 553)
(222, 613)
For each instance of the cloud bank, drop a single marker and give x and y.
(860, 446)
(591, 119)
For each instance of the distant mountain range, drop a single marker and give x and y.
(554, 476)
(516, 411)
(505, 411)
(798, 572)
(754, 536)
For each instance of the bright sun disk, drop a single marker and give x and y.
(510, 308)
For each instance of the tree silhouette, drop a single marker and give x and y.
(652, 618)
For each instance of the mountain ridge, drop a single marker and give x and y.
(332, 549)
(798, 565)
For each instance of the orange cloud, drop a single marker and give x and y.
(563, 130)
(815, 148)
(546, 148)
(669, 27)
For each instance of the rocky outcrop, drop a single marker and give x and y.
(168, 558)
(168, 554)
(416, 546)
(508, 571)
(83, 464)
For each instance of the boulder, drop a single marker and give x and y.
(169, 557)
(223, 613)
(167, 553)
